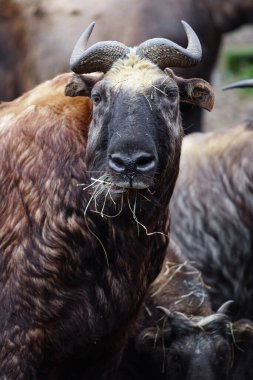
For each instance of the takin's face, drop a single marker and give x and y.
(199, 356)
(136, 128)
(135, 133)
(187, 352)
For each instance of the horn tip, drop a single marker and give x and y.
(241, 84)
(185, 24)
(91, 27)
(224, 308)
(92, 24)
(228, 87)
(79, 48)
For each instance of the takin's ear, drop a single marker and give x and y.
(82, 84)
(195, 91)
(243, 330)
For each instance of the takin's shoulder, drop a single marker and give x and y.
(42, 143)
(44, 102)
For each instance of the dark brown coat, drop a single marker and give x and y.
(212, 213)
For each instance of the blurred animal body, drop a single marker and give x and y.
(212, 213)
(84, 205)
(213, 203)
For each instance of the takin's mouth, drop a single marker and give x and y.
(115, 189)
(122, 187)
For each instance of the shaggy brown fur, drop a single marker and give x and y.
(179, 287)
(61, 296)
(42, 161)
(66, 296)
(213, 203)
(212, 211)
(71, 284)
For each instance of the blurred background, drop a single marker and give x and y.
(37, 37)
(235, 62)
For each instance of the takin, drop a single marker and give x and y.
(179, 337)
(85, 186)
(213, 203)
(34, 43)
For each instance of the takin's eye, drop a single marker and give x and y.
(171, 93)
(222, 351)
(96, 98)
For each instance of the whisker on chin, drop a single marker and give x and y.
(143, 196)
(90, 200)
(101, 212)
(138, 222)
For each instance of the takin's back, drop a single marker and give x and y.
(212, 212)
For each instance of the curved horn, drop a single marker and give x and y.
(99, 57)
(224, 308)
(240, 84)
(166, 53)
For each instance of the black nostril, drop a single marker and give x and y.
(145, 162)
(140, 162)
(117, 163)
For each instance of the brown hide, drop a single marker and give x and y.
(212, 213)
(71, 282)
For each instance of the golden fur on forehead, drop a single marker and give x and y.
(134, 72)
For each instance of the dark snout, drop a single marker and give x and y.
(132, 153)
(135, 169)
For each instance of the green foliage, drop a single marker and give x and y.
(238, 66)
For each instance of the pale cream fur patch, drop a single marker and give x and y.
(134, 73)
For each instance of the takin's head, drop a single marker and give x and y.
(194, 348)
(135, 133)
